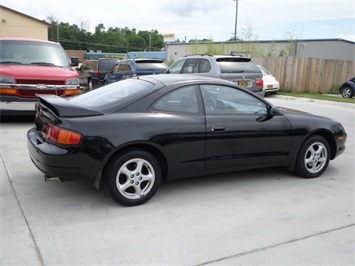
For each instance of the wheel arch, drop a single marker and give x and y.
(141, 146)
(329, 138)
(327, 135)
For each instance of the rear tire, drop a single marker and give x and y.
(133, 178)
(313, 157)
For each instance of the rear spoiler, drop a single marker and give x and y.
(61, 107)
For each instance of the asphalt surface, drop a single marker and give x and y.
(264, 217)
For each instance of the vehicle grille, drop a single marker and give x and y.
(39, 81)
(32, 93)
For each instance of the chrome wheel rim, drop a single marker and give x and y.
(346, 92)
(316, 157)
(135, 178)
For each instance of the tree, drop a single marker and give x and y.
(250, 45)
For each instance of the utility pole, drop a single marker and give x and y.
(236, 19)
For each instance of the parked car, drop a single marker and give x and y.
(235, 68)
(347, 89)
(29, 67)
(92, 72)
(271, 84)
(128, 68)
(131, 135)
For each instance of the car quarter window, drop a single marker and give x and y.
(204, 66)
(116, 68)
(227, 100)
(124, 67)
(181, 100)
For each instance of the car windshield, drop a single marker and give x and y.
(237, 65)
(33, 53)
(112, 93)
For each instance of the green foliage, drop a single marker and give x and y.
(334, 89)
(271, 49)
(282, 53)
(112, 40)
(334, 98)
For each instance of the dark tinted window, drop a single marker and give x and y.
(181, 100)
(107, 64)
(237, 65)
(226, 100)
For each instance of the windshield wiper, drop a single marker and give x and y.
(11, 62)
(44, 64)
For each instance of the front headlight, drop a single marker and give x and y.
(7, 80)
(72, 82)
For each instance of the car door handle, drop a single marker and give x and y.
(217, 128)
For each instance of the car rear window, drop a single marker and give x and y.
(113, 93)
(151, 65)
(237, 65)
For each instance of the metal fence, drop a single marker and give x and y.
(298, 74)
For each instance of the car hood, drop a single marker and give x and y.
(293, 114)
(37, 72)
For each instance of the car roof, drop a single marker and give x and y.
(215, 56)
(27, 40)
(168, 79)
(149, 59)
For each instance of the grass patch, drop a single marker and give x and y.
(318, 96)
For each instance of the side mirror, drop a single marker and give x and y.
(272, 111)
(74, 61)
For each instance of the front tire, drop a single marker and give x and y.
(347, 92)
(133, 178)
(313, 157)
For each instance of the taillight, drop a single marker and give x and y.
(259, 82)
(62, 136)
(97, 74)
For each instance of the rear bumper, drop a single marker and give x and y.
(17, 106)
(271, 89)
(59, 162)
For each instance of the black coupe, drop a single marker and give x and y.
(132, 134)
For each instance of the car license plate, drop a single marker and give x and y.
(269, 86)
(243, 83)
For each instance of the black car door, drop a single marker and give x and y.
(239, 131)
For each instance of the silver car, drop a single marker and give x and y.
(235, 68)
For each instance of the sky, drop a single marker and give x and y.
(199, 19)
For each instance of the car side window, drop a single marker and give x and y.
(227, 100)
(182, 100)
(123, 67)
(115, 68)
(191, 66)
(176, 67)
